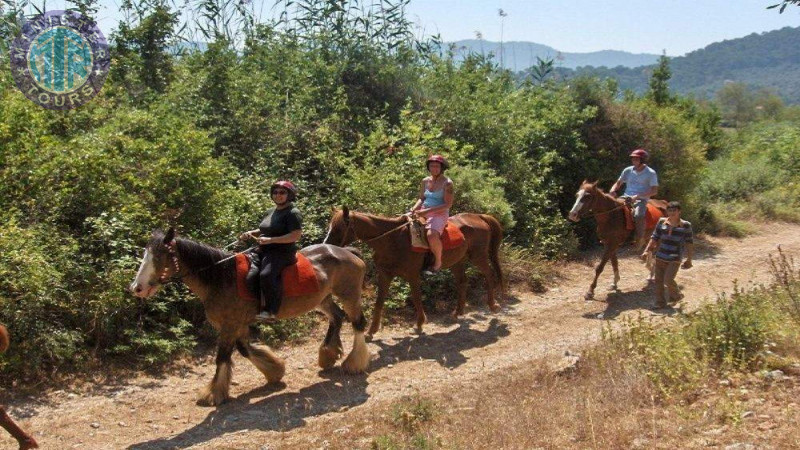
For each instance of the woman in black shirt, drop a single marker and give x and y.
(276, 236)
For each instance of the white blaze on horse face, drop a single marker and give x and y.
(141, 284)
(576, 208)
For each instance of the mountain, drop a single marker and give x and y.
(766, 60)
(520, 55)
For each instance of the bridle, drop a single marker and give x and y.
(163, 279)
(588, 216)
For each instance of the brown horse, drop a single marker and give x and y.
(25, 440)
(611, 230)
(390, 240)
(211, 274)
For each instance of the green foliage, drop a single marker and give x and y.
(758, 175)
(659, 82)
(729, 335)
(141, 58)
(732, 332)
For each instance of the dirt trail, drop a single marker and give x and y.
(154, 413)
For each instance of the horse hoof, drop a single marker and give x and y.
(589, 296)
(417, 330)
(328, 357)
(495, 308)
(368, 337)
(209, 400)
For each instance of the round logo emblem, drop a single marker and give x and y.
(60, 60)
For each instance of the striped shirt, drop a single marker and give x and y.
(671, 239)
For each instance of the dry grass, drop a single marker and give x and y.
(601, 405)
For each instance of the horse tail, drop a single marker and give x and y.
(494, 247)
(5, 340)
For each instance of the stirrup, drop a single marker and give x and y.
(266, 317)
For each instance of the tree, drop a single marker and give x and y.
(659, 82)
(737, 104)
(784, 4)
(542, 69)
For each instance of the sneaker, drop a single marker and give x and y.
(266, 316)
(430, 271)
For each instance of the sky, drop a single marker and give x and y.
(636, 26)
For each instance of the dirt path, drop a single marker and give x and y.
(155, 413)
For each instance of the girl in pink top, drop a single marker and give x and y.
(434, 202)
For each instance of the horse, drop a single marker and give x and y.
(390, 240)
(608, 212)
(210, 274)
(24, 440)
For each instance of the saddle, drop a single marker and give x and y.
(651, 217)
(298, 279)
(452, 236)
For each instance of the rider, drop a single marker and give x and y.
(434, 202)
(276, 236)
(641, 183)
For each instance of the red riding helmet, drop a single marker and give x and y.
(640, 153)
(288, 185)
(437, 158)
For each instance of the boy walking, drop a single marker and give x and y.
(671, 234)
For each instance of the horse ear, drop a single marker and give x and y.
(346, 212)
(170, 235)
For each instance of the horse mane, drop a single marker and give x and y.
(593, 187)
(199, 259)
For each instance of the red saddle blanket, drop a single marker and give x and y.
(452, 237)
(650, 219)
(298, 279)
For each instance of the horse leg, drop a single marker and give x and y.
(481, 261)
(459, 274)
(218, 390)
(615, 266)
(384, 280)
(416, 298)
(262, 357)
(331, 349)
(358, 359)
(24, 439)
(597, 271)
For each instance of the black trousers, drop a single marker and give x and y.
(272, 264)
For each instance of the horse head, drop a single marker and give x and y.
(584, 200)
(158, 264)
(340, 229)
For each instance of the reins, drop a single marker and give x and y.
(604, 212)
(163, 279)
(349, 228)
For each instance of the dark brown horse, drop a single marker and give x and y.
(25, 440)
(611, 229)
(211, 274)
(390, 240)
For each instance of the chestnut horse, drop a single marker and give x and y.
(25, 440)
(390, 240)
(611, 228)
(211, 274)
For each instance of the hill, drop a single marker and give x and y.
(519, 55)
(766, 60)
